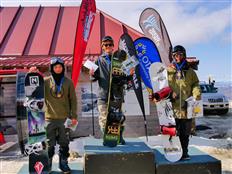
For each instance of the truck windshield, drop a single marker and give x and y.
(208, 88)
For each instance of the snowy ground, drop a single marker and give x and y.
(220, 126)
(216, 141)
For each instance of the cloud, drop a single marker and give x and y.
(196, 27)
(227, 38)
(189, 24)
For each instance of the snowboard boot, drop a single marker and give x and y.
(121, 140)
(51, 152)
(185, 156)
(103, 132)
(50, 165)
(63, 165)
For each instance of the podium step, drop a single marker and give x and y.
(133, 158)
(136, 158)
(200, 163)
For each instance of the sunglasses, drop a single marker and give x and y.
(55, 60)
(108, 45)
(179, 54)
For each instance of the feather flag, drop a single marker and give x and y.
(84, 26)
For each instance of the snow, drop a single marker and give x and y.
(216, 141)
(218, 148)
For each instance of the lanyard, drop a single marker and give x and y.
(181, 66)
(108, 59)
(58, 87)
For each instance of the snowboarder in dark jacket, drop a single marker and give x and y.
(102, 75)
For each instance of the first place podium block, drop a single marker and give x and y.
(133, 158)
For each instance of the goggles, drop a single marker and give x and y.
(55, 60)
(178, 54)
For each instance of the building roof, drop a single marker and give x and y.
(31, 35)
(39, 61)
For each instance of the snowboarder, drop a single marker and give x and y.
(184, 82)
(102, 75)
(61, 103)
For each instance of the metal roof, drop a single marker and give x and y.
(31, 35)
(39, 61)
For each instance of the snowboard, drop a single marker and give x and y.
(34, 103)
(132, 69)
(21, 112)
(162, 92)
(115, 116)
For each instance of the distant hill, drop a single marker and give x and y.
(225, 88)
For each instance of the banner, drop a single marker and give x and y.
(126, 44)
(147, 53)
(153, 27)
(84, 26)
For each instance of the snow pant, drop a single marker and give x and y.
(183, 127)
(56, 133)
(102, 109)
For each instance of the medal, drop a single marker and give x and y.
(179, 75)
(56, 90)
(179, 67)
(58, 95)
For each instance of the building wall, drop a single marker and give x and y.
(134, 123)
(8, 98)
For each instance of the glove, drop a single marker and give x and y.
(152, 98)
(74, 122)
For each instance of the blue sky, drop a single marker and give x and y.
(203, 27)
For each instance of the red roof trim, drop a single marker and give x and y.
(37, 61)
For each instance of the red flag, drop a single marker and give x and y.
(84, 26)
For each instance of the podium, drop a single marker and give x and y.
(137, 158)
(133, 158)
(200, 163)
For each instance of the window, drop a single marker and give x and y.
(208, 89)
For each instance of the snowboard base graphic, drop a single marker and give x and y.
(170, 141)
(34, 102)
(113, 123)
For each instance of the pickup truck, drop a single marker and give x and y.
(213, 101)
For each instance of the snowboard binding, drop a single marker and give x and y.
(34, 148)
(168, 130)
(36, 105)
(117, 117)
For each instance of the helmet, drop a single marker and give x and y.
(180, 49)
(107, 38)
(54, 61)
